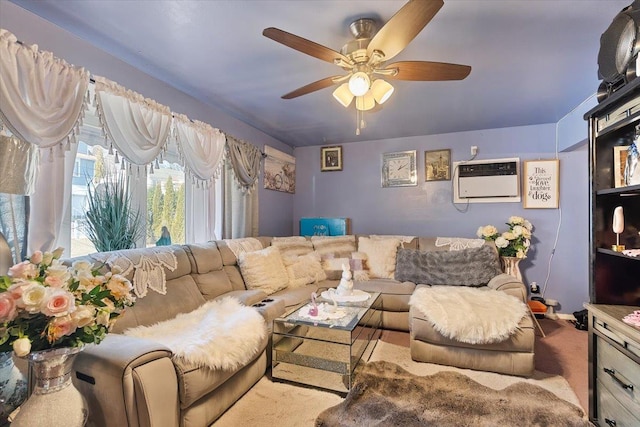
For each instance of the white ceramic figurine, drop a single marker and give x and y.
(345, 287)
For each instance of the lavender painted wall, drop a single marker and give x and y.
(275, 207)
(426, 210)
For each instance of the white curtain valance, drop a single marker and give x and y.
(138, 128)
(42, 98)
(201, 148)
(245, 161)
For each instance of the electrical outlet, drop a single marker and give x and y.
(474, 150)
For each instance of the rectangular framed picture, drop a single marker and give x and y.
(331, 158)
(437, 165)
(619, 164)
(279, 171)
(541, 184)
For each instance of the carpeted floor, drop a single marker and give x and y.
(559, 368)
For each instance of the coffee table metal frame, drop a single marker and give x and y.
(325, 353)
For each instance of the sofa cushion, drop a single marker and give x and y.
(334, 244)
(381, 255)
(304, 270)
(295, 296)
(263, 270)
(292, 246)
(205, 257)
(467, 267)
(395, 295)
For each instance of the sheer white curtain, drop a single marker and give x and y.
(202, 150)
(240, 197)
(42, 101)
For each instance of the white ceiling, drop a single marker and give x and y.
(532, 61)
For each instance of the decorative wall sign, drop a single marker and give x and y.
(279, 171)
(437, 165)
(541, 184)
(331, 158)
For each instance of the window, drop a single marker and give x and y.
(166, 205)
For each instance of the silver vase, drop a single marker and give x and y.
(511, 266)
(54, 400)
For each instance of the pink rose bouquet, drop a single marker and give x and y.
(45, 304)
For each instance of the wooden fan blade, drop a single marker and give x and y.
(428, 71)
(403, 27)
(311, 87)
(303, 45)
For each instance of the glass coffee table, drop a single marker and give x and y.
(325, 353)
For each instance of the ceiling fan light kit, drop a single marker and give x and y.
(366, 56)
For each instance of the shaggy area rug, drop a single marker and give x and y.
(387, 395)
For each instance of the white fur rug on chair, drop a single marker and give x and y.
(470, 315)
(220, 334)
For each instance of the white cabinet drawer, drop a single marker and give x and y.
(619, 374)
(611, 413)
(617, 336)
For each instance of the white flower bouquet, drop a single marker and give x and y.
(45, 304)
(515, 242)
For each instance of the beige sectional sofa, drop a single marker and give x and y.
(135, 382)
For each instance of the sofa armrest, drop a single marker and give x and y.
(128, 381)
(509, 284)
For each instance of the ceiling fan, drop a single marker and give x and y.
(365, 58)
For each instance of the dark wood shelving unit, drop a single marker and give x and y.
(614, 278)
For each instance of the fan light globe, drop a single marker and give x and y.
(381, 90)
(343, 95)
(359, 83)
(365, 102)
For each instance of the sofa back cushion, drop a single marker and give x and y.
(293, 246)
(466, 267)
(182, 296)
(208, 272)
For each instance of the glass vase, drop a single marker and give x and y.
(510, 265)
(54, 400)
(13, 386)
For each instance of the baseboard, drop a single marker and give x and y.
(566, 316)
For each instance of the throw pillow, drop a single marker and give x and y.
(381, 255)
(292, 246)
(304, 270)
(334, 244)
(357, 261)
(466, 267)
(263, 270)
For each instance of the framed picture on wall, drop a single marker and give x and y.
(331, 158)
(619, 164)
(437, 165)
(541, 184)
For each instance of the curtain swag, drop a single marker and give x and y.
(42, 98)
(201, 149)
(245, 160)
(136, 127)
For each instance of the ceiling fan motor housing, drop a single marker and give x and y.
(619, 47)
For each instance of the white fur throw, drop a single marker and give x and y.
(263, 270)
(381, 255)
(220, 334)
(470, 315)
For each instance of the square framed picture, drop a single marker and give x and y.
(437, 165)
(619, 164)
(331, 158)
(541, 184)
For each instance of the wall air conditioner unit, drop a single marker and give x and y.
(487, 181)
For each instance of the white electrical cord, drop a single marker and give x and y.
(555, 243)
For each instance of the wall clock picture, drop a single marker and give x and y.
(399, 169)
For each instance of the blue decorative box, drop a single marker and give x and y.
(325, 226)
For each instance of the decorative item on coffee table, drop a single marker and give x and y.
(512, 244)
(48, 312)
